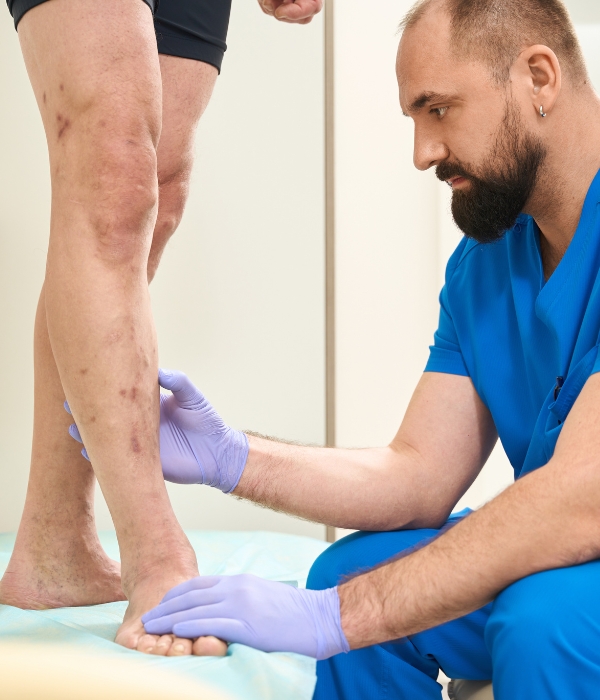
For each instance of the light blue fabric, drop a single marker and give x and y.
(514, 334)
(244, 672)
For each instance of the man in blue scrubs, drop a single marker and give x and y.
(505, 113)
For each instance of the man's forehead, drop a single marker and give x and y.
(425, 65)
(430, 71)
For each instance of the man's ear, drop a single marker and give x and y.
(538, 71)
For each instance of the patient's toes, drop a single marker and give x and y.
(147, 643)
(163, 645)
(209, 646)
(180, 647)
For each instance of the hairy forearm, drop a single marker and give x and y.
(369, 489)
(549, 519)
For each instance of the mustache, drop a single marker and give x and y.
(445, 171)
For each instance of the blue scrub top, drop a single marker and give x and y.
(514, 334)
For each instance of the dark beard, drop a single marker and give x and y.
(500, 192)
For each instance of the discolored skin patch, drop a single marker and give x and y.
(83, 371)
(133, 394)
(123, 392)
(135, 444)
(63, 124)
(44, 98)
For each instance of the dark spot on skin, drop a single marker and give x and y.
(123, 392)
(83, 371)
(62, 87)
(133, 394)
(59, 117)
(135, 444)
(64, 126)
(102, 122)
(93, 419)
(44, 98)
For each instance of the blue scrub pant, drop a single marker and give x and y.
(540, 638)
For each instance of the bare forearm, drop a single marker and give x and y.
(547, 520)
(369, 489)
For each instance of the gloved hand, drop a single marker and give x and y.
(245, 609)
(294, 11)
(196, 447)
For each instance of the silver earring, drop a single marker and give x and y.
(542, 113)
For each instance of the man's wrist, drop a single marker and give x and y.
(362, 612)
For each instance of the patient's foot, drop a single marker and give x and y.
(146, 592)
(64, 572)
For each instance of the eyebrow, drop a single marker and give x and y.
(424, 99)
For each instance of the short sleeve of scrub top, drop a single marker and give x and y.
(445, 353)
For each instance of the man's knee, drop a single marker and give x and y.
(360, 552)
(552, 611)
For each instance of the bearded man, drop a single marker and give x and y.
(504, 111)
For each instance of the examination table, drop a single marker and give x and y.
(244, 673)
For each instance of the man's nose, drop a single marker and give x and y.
(429, 151)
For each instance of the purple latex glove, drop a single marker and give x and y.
(245, 609)
(196, 447)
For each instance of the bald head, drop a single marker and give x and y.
(496, 31)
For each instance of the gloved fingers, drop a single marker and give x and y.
(165, 623)
(67, 408)
(181, 386)
(193, 600)
(223, 628)
(192, 585)
(74, 433)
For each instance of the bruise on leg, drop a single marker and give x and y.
(135, 444)
(64, 123)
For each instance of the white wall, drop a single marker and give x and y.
(239, 300)
(386, 231)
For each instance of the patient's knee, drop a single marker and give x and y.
(104, 178)
(173, 194)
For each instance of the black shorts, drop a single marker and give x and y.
(187, 28)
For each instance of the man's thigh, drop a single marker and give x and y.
(544, 635)
(457, 647)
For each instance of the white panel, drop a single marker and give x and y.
(589, 36)
(24, 216)
(240, 301)
(584, 11)
(386, 224)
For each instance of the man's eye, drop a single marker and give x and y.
(440, 111)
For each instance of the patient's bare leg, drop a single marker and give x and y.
(57, 559)
(99, 94)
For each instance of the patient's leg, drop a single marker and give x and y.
(99, 93)
(57, 560)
